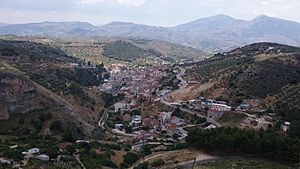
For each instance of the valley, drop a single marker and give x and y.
(216, 92)
(128, 103)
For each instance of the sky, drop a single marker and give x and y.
(150, 12)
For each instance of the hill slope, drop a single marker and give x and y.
(37, 78)
(258, 71)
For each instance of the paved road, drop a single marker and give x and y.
(183, 83)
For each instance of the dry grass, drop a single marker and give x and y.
(191, 92)
(118, 157)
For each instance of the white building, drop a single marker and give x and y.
(121, 107)
(13, 146)
(220, 107)
(286, 126)
(43, 157)
(137, 120)
(33, 151)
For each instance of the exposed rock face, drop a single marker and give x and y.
(18, 95)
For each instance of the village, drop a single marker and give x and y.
(145, 119)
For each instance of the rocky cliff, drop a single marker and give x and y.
(19, 95)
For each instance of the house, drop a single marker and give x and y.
(165, 117)
(206, 104)
(43, 157)
(13, 146)
(121, 107)
(137, 148)
(211, 126)
(31, 151)
(286, 126)
(137, 120)
(119, 126)
(171, 130)
(82, 141)
(220, 107)
(4, 161)
(244, 107)
(177, 121)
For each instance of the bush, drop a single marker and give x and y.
(37, 124)
(68, 136)
(56, 125)
(144, 165)
(157, 163)
(130, 158)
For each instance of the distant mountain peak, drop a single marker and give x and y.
(220, 16)
(263, 17)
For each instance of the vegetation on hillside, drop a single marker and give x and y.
(126, 51)
(249, 142)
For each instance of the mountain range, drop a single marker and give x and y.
(216, 33)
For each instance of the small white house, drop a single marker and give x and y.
(33, 151)
(137, 120)
(119, 126)
(121, 107)
(4, 161)
(286, 126)
(13, 146)
(43, 157)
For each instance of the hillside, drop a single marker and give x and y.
(128, 51)
(215, 33)
(260, 71)
(37, 79)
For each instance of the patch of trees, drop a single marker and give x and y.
(292, 115)
(129, 159)
(109, 99)
(144, 165)
(158, 163)
(250, 142)
(124, 51)
(38, 123)
(170, 80)
(260, 81)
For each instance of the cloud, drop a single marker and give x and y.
(132, 2)
(135, 3)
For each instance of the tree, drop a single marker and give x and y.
(144, 165)
(37, 124)
(21, 121)
(56, 125)
(68, 136)
(130, 158)
(158, 163)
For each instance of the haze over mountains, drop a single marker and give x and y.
(214, 33)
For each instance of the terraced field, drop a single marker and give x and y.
(210, 69)
(290, 95)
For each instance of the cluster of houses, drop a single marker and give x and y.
(159, 125)
(35, 153)
(215, 109)
(29, 154)
(134, 83)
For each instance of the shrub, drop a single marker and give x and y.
(37, 124)
(157, 163)
(144, 165)
(130, 158)
(56, 125)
